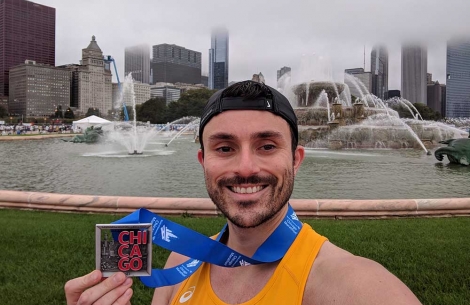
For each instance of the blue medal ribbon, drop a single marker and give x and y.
(177, 238)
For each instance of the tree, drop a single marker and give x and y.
(427, 113)
(58, 112)
(69, 114)
(153, 110)
(93, 111)
(129, 113)
(191, 103)
(403, 112)
(3, 112)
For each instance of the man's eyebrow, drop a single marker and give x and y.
(257, 135)
(221, 136)
(266, 135)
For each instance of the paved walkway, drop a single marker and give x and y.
(36, 136)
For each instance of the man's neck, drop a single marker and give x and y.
(247, 241)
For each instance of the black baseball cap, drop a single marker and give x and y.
(275, 102)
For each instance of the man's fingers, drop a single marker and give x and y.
(74, 288)
(107, 292)
(125, 298)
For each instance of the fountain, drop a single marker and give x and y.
(133, 136)
(328, 118)
(193, 124)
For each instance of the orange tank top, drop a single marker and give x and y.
(286, 285)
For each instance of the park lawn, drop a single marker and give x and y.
(42, 250)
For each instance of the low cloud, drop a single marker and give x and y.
(266, 35)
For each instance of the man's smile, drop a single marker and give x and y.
(246, 190)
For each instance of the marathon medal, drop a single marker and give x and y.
(124, 248)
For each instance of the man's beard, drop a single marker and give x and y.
(271, 203)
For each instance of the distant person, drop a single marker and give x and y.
(249, 154)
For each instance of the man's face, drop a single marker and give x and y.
(248, 165)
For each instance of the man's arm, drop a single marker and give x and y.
(343, 278)
(164, 295)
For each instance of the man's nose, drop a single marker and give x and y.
(247, 163)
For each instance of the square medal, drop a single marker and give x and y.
(124, 247)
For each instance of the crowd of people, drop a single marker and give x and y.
(18, 129)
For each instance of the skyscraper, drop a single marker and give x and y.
(379, 70)
(175, 64)
(27, 32)
(436, 95)
(414, 66)
(38, 89)
(283, 71)
(360, 84)
(218, 59)
(137, 62)
(91, 81)
(458, 78)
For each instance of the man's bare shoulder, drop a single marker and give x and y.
(164, 295)
(339, 277)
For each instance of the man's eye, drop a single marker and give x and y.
(224, 149)
(268, 147)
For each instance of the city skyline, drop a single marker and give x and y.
(277, 37)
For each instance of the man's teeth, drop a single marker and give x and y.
(247, 190)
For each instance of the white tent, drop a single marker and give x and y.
(95, 121)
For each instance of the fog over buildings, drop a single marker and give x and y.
(266, 35)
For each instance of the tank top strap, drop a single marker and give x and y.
(301, 256)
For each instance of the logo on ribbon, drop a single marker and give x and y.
(193, 263)
(167, 234)
(244, 263)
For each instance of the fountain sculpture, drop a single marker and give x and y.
(329, 119)
(457, 151)
(91, 135)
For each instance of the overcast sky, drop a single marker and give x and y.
(265, 34)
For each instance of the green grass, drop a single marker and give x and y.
(41, 251)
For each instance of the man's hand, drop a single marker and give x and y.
(92, 289)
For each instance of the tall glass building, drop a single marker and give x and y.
(414, 68)
(379, 70)
(218, 59)
(137, 62)
(27, 31)
(458, 79)
(175, 64)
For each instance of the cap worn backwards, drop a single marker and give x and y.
(276, 103)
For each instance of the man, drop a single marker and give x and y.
(249, 153)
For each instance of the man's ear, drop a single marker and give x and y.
(200, 157)
(299, 156)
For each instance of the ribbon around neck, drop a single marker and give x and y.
(200, 248)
